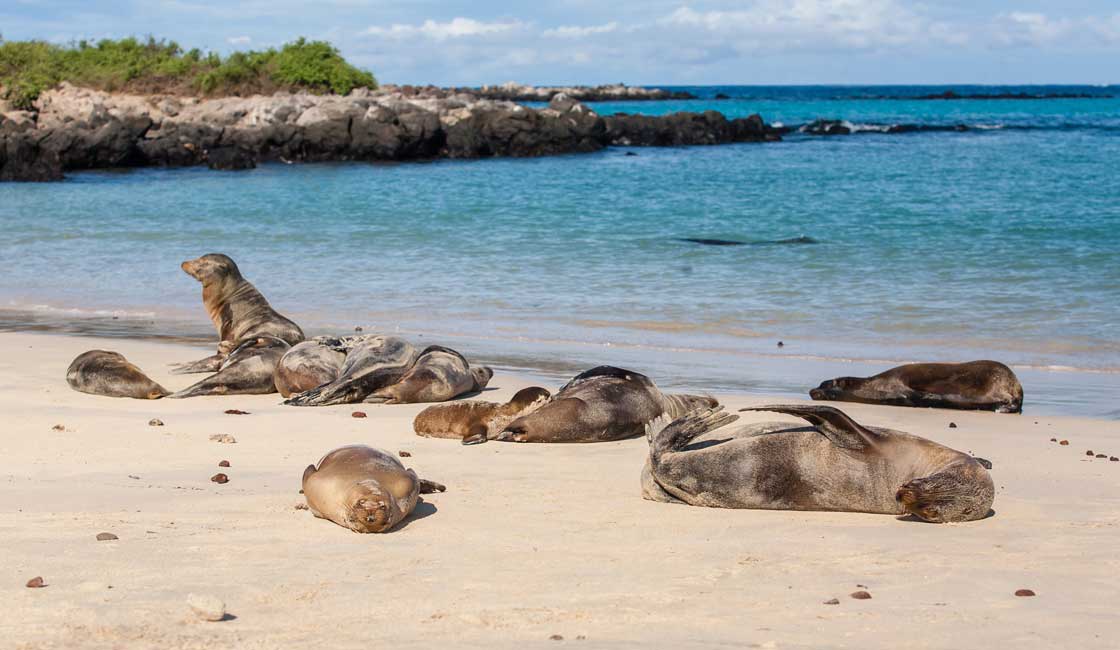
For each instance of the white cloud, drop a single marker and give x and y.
(1032, 29)
(455, 28)
(568, 31)
(239, 40)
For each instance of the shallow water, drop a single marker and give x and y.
(993, 243)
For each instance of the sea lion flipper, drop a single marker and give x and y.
(673, 436)
(833, 423)
(210, 364)
(308, 472)
(429, 487)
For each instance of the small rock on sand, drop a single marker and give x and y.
(1064, 443)
(861, 595)
(58, 427)
(832, 601)
(208, 608)
(556, 637)
(106, 537)
(36, 583)
(1089, 453)
(1024, 593)
(219, 478)
(1052, 439)
(236, 412)
(223, 463)
(155, 422)
(1102, 456)
(1113, 458)
(301, 506)
(223, 438)
(952, 425)
(404, 454)
(358, 414)
(358, 329)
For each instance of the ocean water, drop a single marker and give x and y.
(999, 242)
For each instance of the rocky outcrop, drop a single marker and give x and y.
(76, 128)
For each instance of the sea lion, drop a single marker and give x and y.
(309, 364)
(475, 421)
(363, 489)
(248, 370)
(101, 372)
(976, 385)
(438, 375)
(372, 362)
(599, 405)
(836, 464)
(238, 310)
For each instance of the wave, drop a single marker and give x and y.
(847, 127)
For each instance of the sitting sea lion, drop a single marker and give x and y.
(101, 372)
(238, 310)
(309, 364)
(248, 370)
(372, 362)
(438, 375)
(363, 489)
(835, 464)
(602, 404)
(976, 385)
(475, 421)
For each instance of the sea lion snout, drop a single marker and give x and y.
(211, 266)
(370, 515)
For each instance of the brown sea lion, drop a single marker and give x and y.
(248, 370)
(309, 364)
(976, 385)
(836, 464)
(599, 405)
(475, 420)
(372, 362)
(101, 372)
(438, 375)
(363, 489)
(238, 310)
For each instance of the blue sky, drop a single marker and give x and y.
(634, 41)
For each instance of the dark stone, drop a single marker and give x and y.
(230, 159)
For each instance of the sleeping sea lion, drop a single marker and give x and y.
(372, 362)
(238, 310)
(101, 372)
(248, 370)
(438, 375)
(601, 404)
(309, 364)
(475, 420)
(976, 385)
(363, 489)
(835, 464)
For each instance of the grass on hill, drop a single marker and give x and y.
(28, 68)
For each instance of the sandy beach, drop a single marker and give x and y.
(530, 543)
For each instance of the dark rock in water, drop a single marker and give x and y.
(722, 96)
(781, 344)
(764, 242)
(23, 158)
(680, 129)
(714, 242)
(230, 159)
(826, 127)
(630, 153)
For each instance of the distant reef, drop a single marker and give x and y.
(515, 92)
(74, 128)
(952, 94)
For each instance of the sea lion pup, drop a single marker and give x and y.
(101, 372)
(835, 464)
(363, 489)
(438, 375)
(372, 362)
(599, 405)
(309, 364)
(476, 421)
(238, 310)
(248, 370)
(976, 385)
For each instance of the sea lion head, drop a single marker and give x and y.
(211, 268)
(835, 388)
(482, 376)
(371, 508)
(963, 492)
(526, 397)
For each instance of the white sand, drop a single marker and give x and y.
(529, 541)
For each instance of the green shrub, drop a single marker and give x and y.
(317, 66)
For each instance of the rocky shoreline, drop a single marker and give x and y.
(514, 92)
(76, 128)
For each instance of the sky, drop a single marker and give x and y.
(668, 42)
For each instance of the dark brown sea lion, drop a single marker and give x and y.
(238, 310)
(101, 372)
(474, 420)
(836, 464)
(363, 489)
(599, 405)
(372, 362)
(438, 375)
(976, 385)
(248, 370)
(309, 364)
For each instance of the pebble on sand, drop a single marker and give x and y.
(404, 454)
(1053, 440)
(358, 414)
(208, 608)
(1089, 453)
(301, 506)
(219, 478)
(155, 422)
(861, 595)
(36, 583)
(1064, 443)
(831, 601)
(556, 637)
(223, 463)
(952, 425)
(1113, 458)
(58, 427)
(358, 329)
(236, 412)
(1024, 593)
(224, 438)
(1102, 456)
(106, 537)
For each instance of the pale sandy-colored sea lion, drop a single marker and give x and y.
(372, 362)
(601, 404)
(836, 464)
(309, 364)
(101, 372)
(237, 309)
(474, 420)
(248, 370)
(363, 489)
(438, 375)
(976, 385)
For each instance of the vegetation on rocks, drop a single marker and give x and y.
(28, 68)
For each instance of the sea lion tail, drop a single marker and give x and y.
(676, 434)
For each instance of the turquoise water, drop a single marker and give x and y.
(993, 243)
